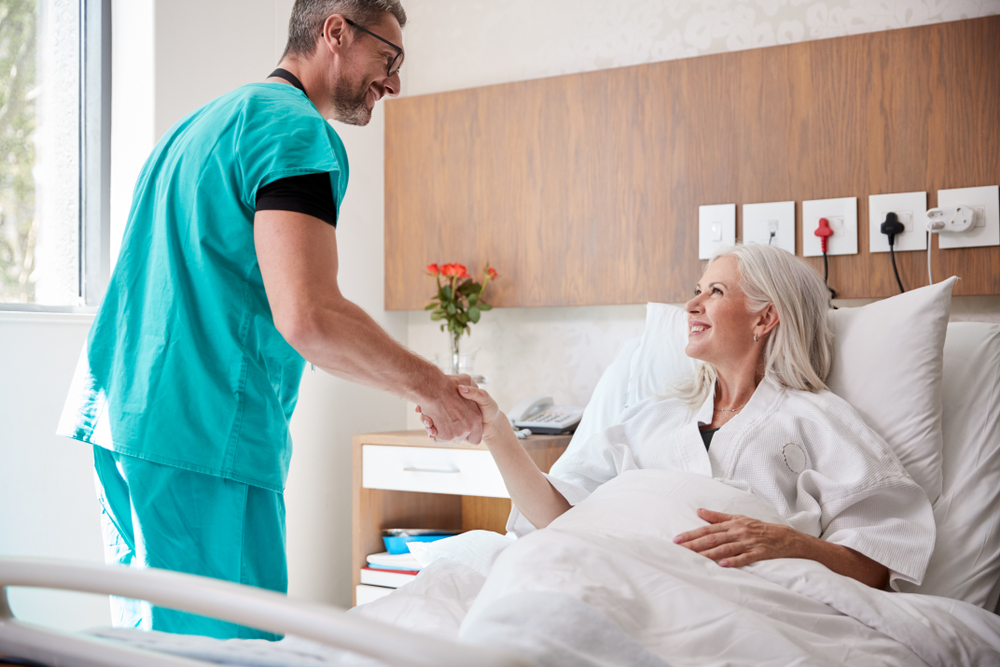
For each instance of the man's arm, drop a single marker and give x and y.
(297, 254)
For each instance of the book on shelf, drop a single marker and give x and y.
(385, 559)
(386, 578)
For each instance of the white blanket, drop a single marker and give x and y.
(606, 585)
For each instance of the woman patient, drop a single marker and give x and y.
(756, 416)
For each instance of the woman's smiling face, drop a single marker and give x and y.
(720, 328)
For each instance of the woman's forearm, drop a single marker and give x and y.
(529, 490)
(844, 560)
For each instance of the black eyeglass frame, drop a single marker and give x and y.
(399, 51)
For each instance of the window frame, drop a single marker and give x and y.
(94, 215)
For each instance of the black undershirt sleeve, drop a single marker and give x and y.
(311, 194)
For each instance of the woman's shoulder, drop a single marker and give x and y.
(824, 413)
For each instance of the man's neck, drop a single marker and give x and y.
(300, 71)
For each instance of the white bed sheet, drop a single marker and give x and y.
(605, 585)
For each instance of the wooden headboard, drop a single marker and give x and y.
(584, 189)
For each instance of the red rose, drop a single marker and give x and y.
(448, 270)
(461, 272)
(433, 269)
(492, 273)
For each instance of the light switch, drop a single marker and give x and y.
(985, 230)
(772, 223)
(716, 228)
(910, 208)
(842, 215)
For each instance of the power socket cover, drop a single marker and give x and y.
(910, 208)
(986, 199)
(771, 223)
(843, 216)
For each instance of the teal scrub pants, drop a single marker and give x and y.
(160, 516)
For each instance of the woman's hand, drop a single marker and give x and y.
(529, 490)
(734, 540)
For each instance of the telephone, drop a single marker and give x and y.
(539, 416)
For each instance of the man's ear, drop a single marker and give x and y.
(334, 32)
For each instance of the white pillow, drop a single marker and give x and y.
(966, 560)
(609, 397)
(660, 360)
(887, 364)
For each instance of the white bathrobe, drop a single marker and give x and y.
(809, 455)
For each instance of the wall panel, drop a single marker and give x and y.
(584, 189)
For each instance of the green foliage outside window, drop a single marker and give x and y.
(17, 150)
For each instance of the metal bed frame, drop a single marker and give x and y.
(245, 605)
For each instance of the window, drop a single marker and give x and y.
(54, 153)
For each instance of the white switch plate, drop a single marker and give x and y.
(985, 202)
(910, 208)
(843, 216)
(716, 228)
(759, 219)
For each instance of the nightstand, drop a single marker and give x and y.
(402, 479)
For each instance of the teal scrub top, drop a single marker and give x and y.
(183, 365)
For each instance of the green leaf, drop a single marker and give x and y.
(474, 314)
(435, 316)
(485, 306)
(451, 309)
(431, 306)
(446, 293)
(473, 298)
(442, 327)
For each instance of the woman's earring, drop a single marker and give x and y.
(755, 338)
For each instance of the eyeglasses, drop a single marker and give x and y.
(397, 60)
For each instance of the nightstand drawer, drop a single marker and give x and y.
(464, 472)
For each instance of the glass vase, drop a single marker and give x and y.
(456, 353)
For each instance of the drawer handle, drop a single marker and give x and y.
(440, 470)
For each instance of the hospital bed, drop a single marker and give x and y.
(930, 387)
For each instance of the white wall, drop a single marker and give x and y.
(173, 55)
(48, 507)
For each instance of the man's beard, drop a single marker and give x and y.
(349, 106)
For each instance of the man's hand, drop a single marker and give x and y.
(450, 418)
(734, 540)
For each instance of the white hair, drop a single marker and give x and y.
(799, 350)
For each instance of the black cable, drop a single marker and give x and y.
(890, 228)
(899, 282)
(826, 276)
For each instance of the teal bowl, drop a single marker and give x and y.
(396, 540)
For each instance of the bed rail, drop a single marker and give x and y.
(245, 605)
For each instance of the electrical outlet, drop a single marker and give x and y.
(842, 215)
(771, 223)
(716, 228)
(910, 208)
(985, 202)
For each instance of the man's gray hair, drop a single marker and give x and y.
(799, 349)
(308, 17)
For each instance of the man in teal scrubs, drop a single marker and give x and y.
(225, 286)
